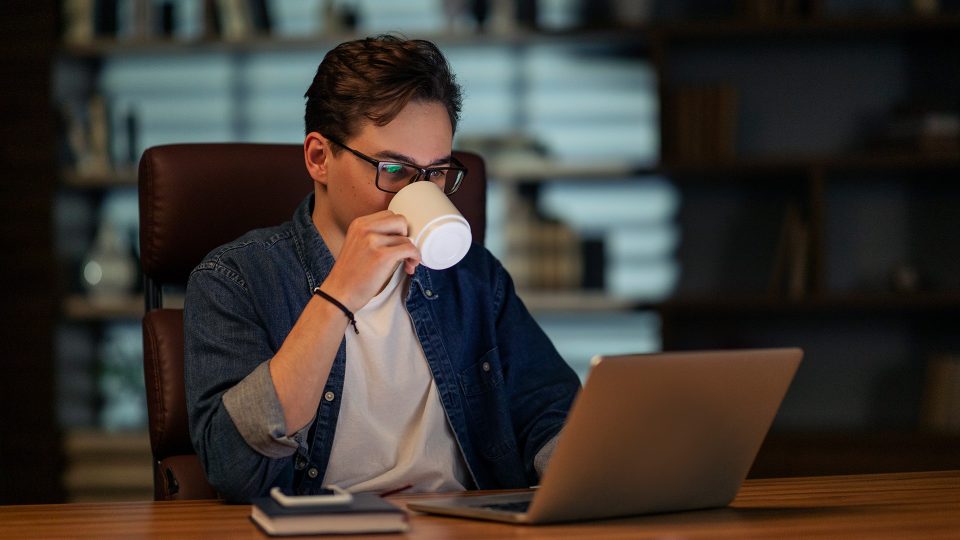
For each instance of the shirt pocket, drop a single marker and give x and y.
(483, 375)
(486, 407)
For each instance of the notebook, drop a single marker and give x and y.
(365, 513)
(649, 433)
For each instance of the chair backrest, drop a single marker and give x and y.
(193, 198)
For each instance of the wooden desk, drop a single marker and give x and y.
(898, 505)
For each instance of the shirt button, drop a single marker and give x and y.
(312, 472)
(329, 396)
(301, 463)
(485, 366)
(428, 292)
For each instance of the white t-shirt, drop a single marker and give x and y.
(391, 430)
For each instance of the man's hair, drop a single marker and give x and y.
(373, 79)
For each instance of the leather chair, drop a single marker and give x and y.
(193, 198)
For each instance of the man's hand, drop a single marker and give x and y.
(372, 249)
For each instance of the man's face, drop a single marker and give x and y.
(421, 135)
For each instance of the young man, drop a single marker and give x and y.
(444, 382)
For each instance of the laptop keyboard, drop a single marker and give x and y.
(519, 507)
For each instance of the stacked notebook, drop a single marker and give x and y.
(366, 513)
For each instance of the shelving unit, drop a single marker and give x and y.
(85, 63)
(108, 466)
(814, 26)
(896, 331)
(100, 47)
(716, 315)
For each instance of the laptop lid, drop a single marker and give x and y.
(655, 433)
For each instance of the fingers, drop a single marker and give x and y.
(383, 222)
(383, 236)
(373, 248)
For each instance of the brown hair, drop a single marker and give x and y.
(374, 79)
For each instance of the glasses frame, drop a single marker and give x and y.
(423, 173)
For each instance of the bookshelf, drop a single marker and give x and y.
(866, 290)
(633, 37)
(80, 74)
(798, 27)
(805, 176)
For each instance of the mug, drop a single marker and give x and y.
(434, 224)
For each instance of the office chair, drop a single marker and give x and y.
(193, 198)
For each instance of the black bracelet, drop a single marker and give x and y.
(337, 303)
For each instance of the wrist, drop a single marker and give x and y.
(332, 300)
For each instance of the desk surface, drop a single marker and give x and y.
(899, 505)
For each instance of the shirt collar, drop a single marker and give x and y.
(314, 255)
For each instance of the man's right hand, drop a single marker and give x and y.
(373, 247)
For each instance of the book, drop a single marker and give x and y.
(940, 410)
(78, 21)
(701, 123)
(790, 273)
(367, 513)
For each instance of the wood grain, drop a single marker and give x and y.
(901, 505)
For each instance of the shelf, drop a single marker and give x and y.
(267, 43)
(105, 465)
(81, 307)
(640, 35)
(892, 161)
(508, 174)
(574, 301)
(878, 303)
(794, 27)
(85, 308)
(126, 177)
(547, 171)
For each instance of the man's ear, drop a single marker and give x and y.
(316, 152)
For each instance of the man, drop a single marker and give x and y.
(320, 351)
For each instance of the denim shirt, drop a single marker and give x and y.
(503, 387)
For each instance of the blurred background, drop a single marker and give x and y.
(663, 176)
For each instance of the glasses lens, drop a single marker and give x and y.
(448, 178)
(393, 177)
(452, 179)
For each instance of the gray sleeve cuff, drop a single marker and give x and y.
(543, 456)
(255, 409)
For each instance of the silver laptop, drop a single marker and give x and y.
(649, 433)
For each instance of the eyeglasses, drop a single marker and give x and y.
(392, 176)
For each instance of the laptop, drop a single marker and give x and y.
(649, 433)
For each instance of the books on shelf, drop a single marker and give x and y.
(541, 254)
(87, 126)
(86, 21)
(791, 264)
(367, 513)
(941, 394)
(702, 123)
(78, 23)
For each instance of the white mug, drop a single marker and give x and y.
(434, 224)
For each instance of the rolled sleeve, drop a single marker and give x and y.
(543, 456)
(255, 409)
